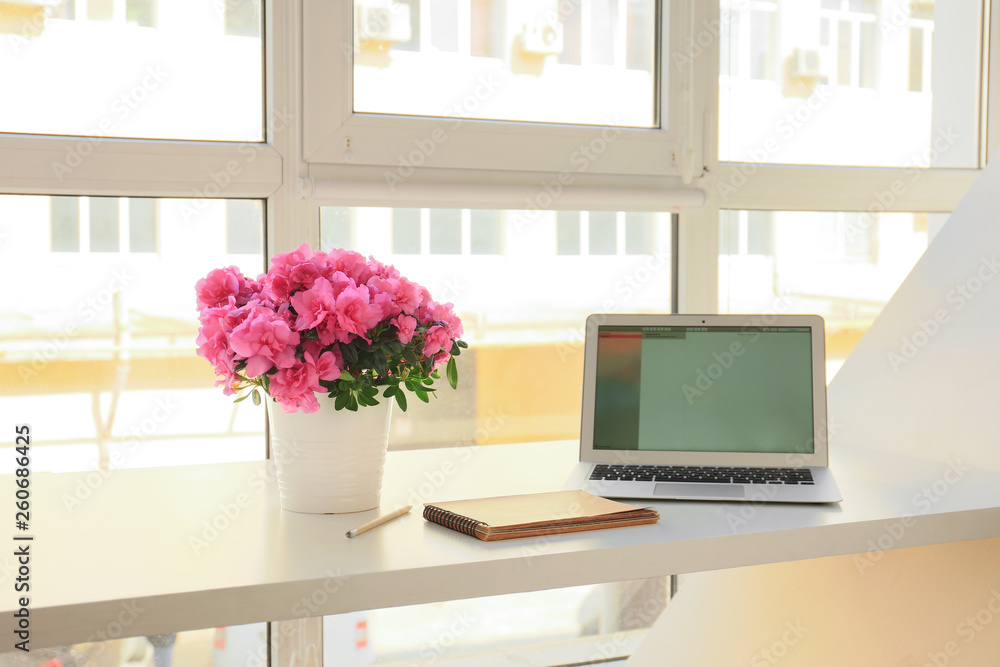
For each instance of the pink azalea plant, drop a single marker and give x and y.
(325, 323)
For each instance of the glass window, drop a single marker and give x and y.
(844, 266)
(603, 232)
(568, 233)
(104, 224)
(243, 232)
(446, 231)
(64, 223)
(142, 225)
(405, 231)
(188, 74)
(486, 232)
(109, 368)
(335, 225)
(585, 62)
(848, 82)
(522, 306)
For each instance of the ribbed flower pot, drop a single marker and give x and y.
(330, 461)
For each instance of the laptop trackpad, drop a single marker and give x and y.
(694, 490)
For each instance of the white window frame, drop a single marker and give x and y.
(775, 187)
(348, 153)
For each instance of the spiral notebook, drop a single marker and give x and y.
(533, 514)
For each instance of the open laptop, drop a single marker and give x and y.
(705, 407)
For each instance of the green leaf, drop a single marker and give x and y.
(422, 395)
(410, 356)
(352, 404)
(390, 390)
(341, 402)
(241, 398)
(346, 375)
(452, 372)
(401, 400)
(349, 352)
(256, 397)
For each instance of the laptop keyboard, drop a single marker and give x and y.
(716, 474)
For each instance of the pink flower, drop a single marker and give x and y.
(328, 363)
(214, 289)
(435, 340)
(295, 387)
(313, 306)
(355, 315)
(265, 340)
(407, 326)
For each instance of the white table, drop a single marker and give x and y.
(128, 560)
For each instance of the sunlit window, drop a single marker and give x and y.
(560, 61)
(842, 265)
(114, 355)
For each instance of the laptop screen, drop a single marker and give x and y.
(704, 389)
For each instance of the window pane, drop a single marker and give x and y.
(579, 62)
(842, 265)
(446, 231)
(135, 68)
(405, 231)
(568, 233)
(849, 83)
(142, 225)
(104, 235)
(335, 223)
(107, 372)
(243, 229)
(603, 232)
(638, 233)
(486, 232)
(64, 222)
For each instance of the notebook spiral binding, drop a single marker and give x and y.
(463, 524)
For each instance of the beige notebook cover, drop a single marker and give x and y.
(525, 515)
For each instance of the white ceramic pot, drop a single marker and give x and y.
(330, 461)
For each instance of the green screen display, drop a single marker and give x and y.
(704, 389)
